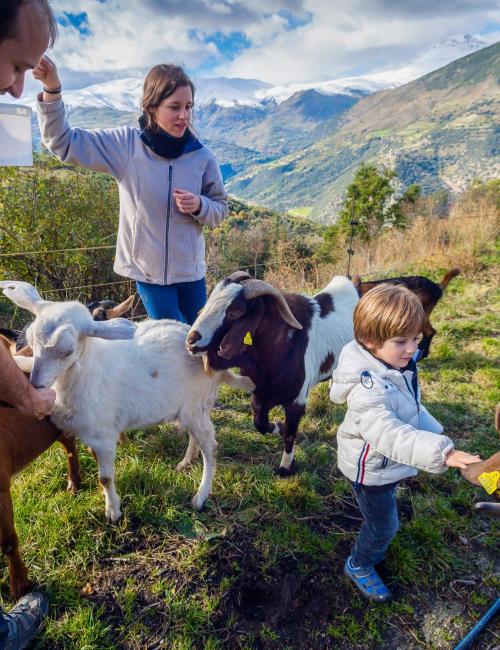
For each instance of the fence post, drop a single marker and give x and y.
(350, 251)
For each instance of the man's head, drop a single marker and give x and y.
(27, 28)
(388, 321)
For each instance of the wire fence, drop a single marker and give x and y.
(127, 287)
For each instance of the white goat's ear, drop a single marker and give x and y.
(118, 328)
(24, 295)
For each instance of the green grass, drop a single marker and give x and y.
(261, 567)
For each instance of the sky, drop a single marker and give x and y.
(277, 41)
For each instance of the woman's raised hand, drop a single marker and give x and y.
(187, 202)
(46, 72)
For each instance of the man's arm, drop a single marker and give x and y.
(16, 390)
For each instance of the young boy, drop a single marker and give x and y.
(387, 435)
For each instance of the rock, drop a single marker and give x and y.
(440, 626)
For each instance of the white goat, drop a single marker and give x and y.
(105, 387)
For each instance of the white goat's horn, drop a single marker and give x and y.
(239, 276)
(24, 295)
(255, 288)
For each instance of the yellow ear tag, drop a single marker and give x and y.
(247, 340)
(489, 481)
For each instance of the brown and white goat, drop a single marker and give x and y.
(22, 439)
(285, 343)
(428, 291)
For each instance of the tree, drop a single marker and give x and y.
(51, 207)
(375, 205)
(328, 250)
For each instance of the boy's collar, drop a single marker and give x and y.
(411, 366)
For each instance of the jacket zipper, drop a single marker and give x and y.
(414, 397)
(169, 199)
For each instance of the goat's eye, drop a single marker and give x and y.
(236, 310)
(234, 313)
(68, 354)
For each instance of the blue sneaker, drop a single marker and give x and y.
(368, 581)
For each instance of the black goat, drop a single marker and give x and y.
(428, 292)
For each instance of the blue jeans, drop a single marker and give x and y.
(3, 626)
(380, 513)
(181, 301)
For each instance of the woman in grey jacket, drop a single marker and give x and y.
(170, 186)
(387, 434)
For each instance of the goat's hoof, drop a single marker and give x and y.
(113, 517)
(198, 503)
(284, 472)
(73, 487)
(182, 465)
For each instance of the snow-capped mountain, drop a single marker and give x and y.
(124, 94)
(119, 94)
(437, 57)
(228, 92)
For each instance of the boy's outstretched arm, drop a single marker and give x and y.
(399, 440)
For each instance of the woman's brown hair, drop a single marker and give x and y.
(160, 82)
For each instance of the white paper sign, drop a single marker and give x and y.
(16, 147)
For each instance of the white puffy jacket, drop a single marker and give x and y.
(387, 434)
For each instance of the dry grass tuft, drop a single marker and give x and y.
(460, 240)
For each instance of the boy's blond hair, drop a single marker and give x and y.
(385, 311)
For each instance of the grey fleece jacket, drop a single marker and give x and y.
(387, 434)
(156, 242)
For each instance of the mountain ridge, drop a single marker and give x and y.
(439, 131)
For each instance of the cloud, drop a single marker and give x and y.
(278, 41)
(358, 37)
(427, 8)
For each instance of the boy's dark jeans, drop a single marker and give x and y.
(379, 509)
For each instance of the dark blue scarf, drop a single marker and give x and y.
(166, 145)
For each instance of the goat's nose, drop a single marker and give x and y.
(192, 337)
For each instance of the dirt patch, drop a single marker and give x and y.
(293, 602)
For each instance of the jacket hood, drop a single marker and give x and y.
(354, 367)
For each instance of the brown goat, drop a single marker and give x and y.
(22, 439)
(492, 464)
(429, 293)
(473, 471)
